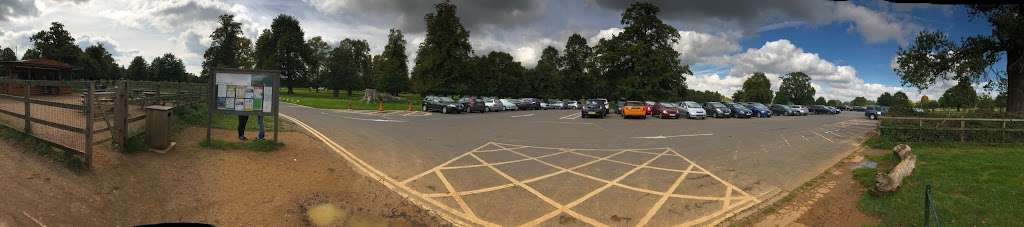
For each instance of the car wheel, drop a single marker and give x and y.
(444, 110)
(424, 108)
(872, 117)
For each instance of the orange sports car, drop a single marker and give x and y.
(634, 109)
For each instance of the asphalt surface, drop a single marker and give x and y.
(551, 167)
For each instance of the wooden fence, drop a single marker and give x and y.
(79, 115)
(963, 130)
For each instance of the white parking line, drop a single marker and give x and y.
(665, 137)
(571, 116)
(524, 115)
(823, 137)
(374, 120)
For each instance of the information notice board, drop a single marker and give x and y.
(244, 92)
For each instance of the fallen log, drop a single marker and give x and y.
(889, 182)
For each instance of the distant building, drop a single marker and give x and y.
(35, 69)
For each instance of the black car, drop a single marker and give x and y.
(783, 110)
(820, 109)
(441, 104)
(739, 111)
(529, 104)
(473, 104)
(873, 111)
(717, 110)
(594, 108)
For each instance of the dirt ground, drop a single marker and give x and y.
(830, 201)
(191, 184)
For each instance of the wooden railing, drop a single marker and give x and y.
(963, 130)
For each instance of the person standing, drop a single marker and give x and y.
(242, 120)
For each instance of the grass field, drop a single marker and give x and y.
(972, 185)
(326, 100)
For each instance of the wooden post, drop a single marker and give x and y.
(28, 108)
(120, 130)
(89, 123)
(962, 130)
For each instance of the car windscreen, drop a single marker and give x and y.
(595, 102)
(717, 105)
(634, 104)
(691, 105)
(445, 99)
(758, 105)
(668, 105)
(737, 106)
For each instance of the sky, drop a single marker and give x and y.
(848, 48)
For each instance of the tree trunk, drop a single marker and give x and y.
(349, 92)
(890, 181)
(1014, 80)
(336, 92)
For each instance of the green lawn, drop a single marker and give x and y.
(196, 115)
(326, 100)
(972, 185)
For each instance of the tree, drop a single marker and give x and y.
(639, 62)
(138, 69)
(316, 65)
(226, 49)
(580, 81)
(168, 68)
(820, 101)
(933, 56)
(349, 62)
(548, 74)
(31, 54)
(959, 96)
(442, 61)
(504, 72)
(834, 103)
(985, 102)
(56, 44)
(796, 88)
(900, 102)
(859, 101)
(703, 96)
(756, 88)
(98, 64)
(8, 55)
(283, 47)
(884, 100)
(394, 68)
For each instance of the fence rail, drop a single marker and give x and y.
(963, 130)
(78, 115)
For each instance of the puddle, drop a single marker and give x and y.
(326, 215)
(866, 164)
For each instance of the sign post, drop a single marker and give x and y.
(244, 92)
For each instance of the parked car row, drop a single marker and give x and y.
(474, 104)
(694, 110)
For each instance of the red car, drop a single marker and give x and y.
(648, 105)
(665, 110)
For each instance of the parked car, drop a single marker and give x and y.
(544, 105)
(859, 108)
(473, 104)
(648, 106)
(493, 104)
(873, 111)
(692, 110)
(760, 110)
(529, 104)
(800, 109)
(820, 109)
(441, 104)
(783, 110)
(572, 105)
(508, 105)
(665, 110)
(595, 108)
(739, 111)
(558, 105)
(834, 109)
(634, 109)
(717, 110)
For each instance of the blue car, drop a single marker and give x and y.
(758, 109)
(873, 111)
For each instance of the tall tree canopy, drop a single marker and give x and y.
(885, 99)
(31, 53)
(504, 73)
(640, 62)
(859, 101)
(226, 50)
(394, 67)
(580, 79)
(960, 96)
(57, 44)
(8, 55)
(316, 64)
(97, 63)
(138, 69)
(834, 102)
(900, 102)
(284, 47)
(548, 73)
(796, 88)
(349, 62)
(168, 68)
(820, 101)
(933, 57)
(442, 60)
(756, 88)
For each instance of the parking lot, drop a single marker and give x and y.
(551, 167)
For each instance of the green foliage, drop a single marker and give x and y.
(756, 88)
(971, 185)
(255, 145)
(44, 148)
(283, 46)
(578, 69)
(549, 78)
(834, 103)
(639, 63)
(138, 69)
(392, 69)
(328, 101)
(899, 102)
(348, 65)
(959, 96)
(168, 68)
(98, 64)
(859, 101)
(820, 101)
(31, 54)
(701, 96)
(136, 143)
(316, 64)
(226, 46)
(796, 88)
(504, 73)
(442, 61)
(55, 43)
(8, 55)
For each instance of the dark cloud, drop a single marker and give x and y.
(749, 15)
(475, 14)
(17, 8)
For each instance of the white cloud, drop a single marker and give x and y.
(604, 34)
(873, 25)
(696, 47)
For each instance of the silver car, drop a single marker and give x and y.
(493, 104)
(572, 105)
(692, 110)
(803, 109)
(508, 105)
